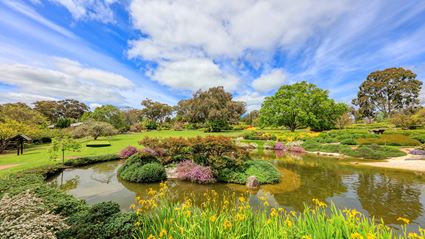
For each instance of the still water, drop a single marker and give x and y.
(382, 193)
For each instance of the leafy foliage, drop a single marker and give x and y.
(62, 144)
(387, 91)
(156, 111)
(94, 129)
(364, 151)
(63, 109)
(109, 114)
(214, 108)
(142, 173)
(263, 170)
(300, 105)
(389, 139)
(81, 161)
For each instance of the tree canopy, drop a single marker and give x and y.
(109, 114)
(156, 111)
(300, 105)
(388, 91)
(56, 110)
(215, 108)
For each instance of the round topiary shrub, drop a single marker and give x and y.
(143, 173)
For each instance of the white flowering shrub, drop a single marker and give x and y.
(24, 216)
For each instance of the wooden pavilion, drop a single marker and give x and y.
(19, 140)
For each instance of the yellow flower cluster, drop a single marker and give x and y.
(356, 235)
(403, 220)
(353, 213)
(319, 203)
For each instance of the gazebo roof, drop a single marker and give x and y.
(20, 136)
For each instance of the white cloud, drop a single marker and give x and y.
(27, 98)
(226, 28)
(68, 80)
(193, 74)
(29, 12)
(75, 69)
(97, 10)
(269, 81)
(253, 100)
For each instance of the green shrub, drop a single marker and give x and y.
(120, 226)
(389, 139)
(98, 144)
(102, 220)
(373, 152)
(91, 159)
(263, 170)
(348, 142)
(143, 173)
(364, 151)
(255, 135)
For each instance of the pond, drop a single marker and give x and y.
(381, 193)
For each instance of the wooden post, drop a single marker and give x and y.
(22, 146)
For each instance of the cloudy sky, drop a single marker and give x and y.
(120, 52)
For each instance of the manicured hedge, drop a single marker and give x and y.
(390, 139)
(91, 159)
(364, 151)
(95, 144)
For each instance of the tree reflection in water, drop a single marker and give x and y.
(389, 197)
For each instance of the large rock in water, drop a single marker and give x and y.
(252, 182)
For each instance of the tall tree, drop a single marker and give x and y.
(214, 107)
(21, 113)
(300, 105)
(109, 114)
(388, 91)
(251, 117)
(56, 110)
(156, 111)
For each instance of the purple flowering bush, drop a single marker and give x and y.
(188, 170)
(127, 152)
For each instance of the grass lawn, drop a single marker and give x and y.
(36, 156)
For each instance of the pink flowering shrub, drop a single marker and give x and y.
(127, 152)
(188, 170)
(279, 146)
(150, 151)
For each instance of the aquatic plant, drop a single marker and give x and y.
(127, 152)
(188, 170)
(232, 216)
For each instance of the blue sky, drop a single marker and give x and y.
(120, 52)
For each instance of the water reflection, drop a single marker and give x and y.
(376, 192)
(389, 197)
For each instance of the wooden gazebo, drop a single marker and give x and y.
(19, 140)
